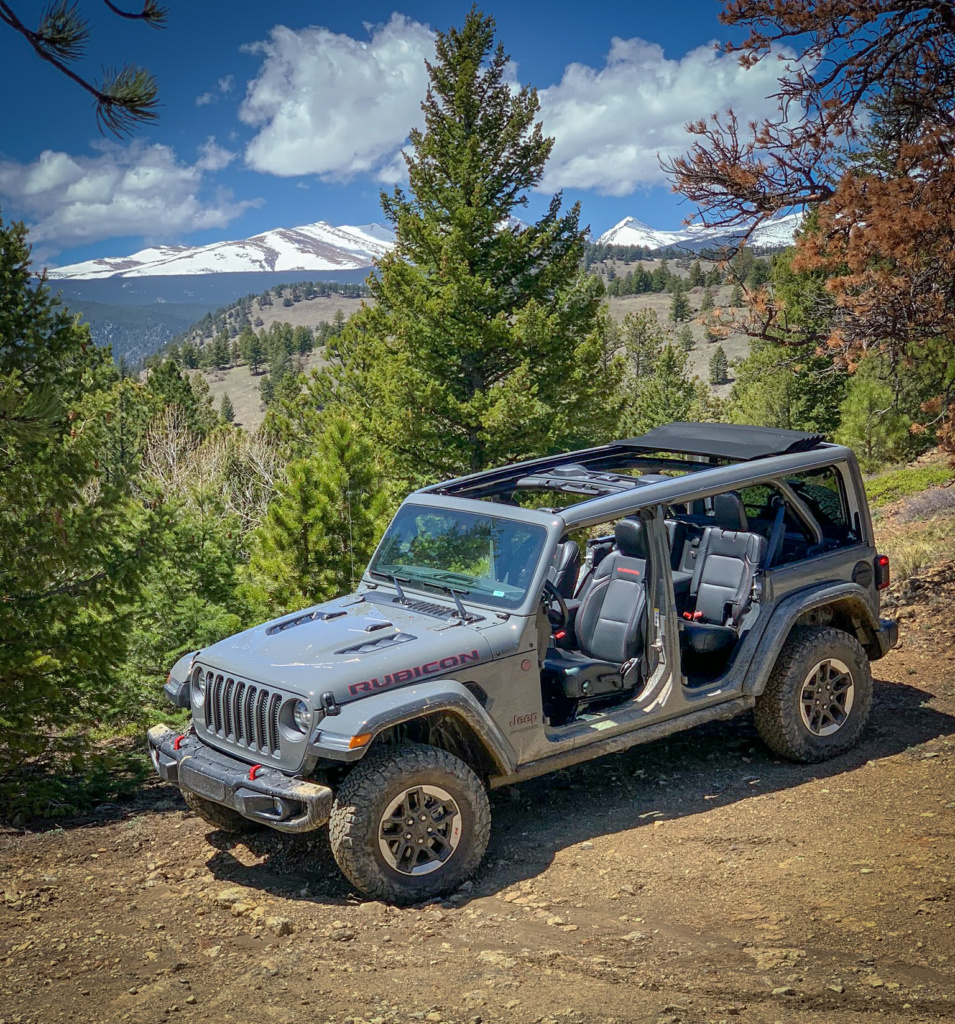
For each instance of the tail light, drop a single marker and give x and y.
(882, 576)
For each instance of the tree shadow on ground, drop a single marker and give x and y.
(706, 768)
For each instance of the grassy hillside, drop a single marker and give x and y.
(288, 305)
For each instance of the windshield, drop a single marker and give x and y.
(491, 559)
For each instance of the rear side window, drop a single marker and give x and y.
(822, 492)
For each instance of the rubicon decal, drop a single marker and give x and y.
(407, 675)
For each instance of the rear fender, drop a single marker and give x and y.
(846, 606)
(371, 716)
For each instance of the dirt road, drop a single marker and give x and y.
(695, 880)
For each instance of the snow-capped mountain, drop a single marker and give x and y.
(313, 247)
(774, 234)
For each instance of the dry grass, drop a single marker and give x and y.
(916, 545)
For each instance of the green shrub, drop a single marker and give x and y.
(897, 483)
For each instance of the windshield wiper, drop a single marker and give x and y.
(396, 580)
(447, 588)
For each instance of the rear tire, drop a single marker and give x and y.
(223, 818)
(409, 823)
(818, 697)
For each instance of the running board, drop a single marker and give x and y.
(615, 744)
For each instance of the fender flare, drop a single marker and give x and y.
(332, 738)
(852, 602)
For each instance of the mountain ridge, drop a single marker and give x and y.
(772, 234)
(311, 248)
(321, 247)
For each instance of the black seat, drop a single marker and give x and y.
(723, 578)
(564, 574)
(610, 623)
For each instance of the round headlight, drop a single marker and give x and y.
(301, 715)
(199, 683)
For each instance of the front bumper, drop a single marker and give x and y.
(269, 797)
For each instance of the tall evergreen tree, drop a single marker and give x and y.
(719, 367)
(871, 424)
(484, 344)
(69, 535)
(643, 338)
(680, 308)
(322, 525)
(219, 354)
(667, 394)
(227, 409)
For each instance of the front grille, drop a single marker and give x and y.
(242, 713)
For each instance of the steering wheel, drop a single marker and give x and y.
(556, 597)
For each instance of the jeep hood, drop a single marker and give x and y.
(351, 646)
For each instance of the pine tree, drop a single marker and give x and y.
(680, 308)
(685, 338)
(792, 388)
(719, 367)
(189, 355)
(871, 424)
(226, 409)
(453, 369)
(736, 297)
(696, 275)
(124, 99)
(172, 387)
(219, 356)
(70, 535)
(322, 525)
(706, 303)
(666, 395)
(255, 354)
(643, 338)
(303, 340)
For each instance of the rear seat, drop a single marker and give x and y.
(728, 558)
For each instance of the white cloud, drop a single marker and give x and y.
(137, 189)
(226, 84)
(205, 99)
(213, 157)
(334, 106)
(609, 124)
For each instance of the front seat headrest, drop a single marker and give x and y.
(729, 512)
(630, 539)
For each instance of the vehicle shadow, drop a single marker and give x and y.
(706, 768)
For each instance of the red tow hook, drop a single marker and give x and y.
(177, 742)
(253, 771)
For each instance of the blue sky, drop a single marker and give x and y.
(285, 113)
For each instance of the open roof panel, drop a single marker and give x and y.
(605, 469)
(724, 441)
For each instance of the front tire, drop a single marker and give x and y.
(818, 697)
(409, 823)
(223, 818)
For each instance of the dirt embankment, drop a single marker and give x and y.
(695, 880)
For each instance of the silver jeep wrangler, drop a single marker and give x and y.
(527, 618)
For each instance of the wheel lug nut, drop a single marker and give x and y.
(420, 841)
(407, 835)
(423, 818)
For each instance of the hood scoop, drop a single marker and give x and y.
(300, 620)
(368, 646)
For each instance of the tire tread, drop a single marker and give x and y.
(352, 818)
(776, 709)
